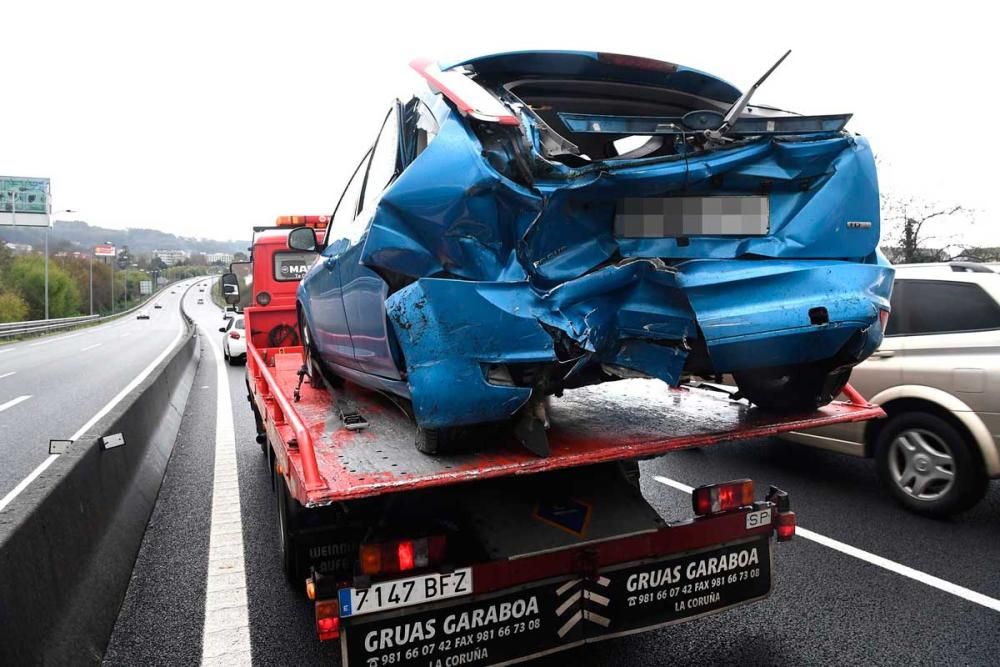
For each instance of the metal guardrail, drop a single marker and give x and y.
(13, 329)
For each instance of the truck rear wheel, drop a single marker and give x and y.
(288, 511)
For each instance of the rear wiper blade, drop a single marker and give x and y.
(741, 104)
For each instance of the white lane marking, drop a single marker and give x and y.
(7, 349)
(884, 563)
(226, 634)
(91, 347)
(14, 401)
(57, 340)
(33, 475)
(7, 375)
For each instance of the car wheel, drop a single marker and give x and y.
(436, 440)
(314, 368)
(288, 510)
(233, 361)
(928, 466)
(792, 389)
(225, 352)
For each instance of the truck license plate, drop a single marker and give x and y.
(516, 625)
(405, 592)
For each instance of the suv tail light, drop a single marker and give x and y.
(715, 498)
(402, 555)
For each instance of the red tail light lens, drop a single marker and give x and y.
(327, 619)
(786, 526)
(715, 498)
(402, 555)
(883, 318)
(235, 335)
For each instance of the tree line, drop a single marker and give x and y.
(22, 285)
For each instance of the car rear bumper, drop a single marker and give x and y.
(639, 317)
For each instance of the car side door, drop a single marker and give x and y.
(326, 309)
(365, 291)
(953, 340)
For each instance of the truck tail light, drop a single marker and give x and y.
(883, 318)
(786, 526)
(715, 498)
(402, 555)
(327, 619)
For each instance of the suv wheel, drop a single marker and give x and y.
(928, 466)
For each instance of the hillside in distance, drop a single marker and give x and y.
(78, 235)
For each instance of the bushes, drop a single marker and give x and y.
(12, 308)
(25, 278)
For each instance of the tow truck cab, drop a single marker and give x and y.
(272, 277)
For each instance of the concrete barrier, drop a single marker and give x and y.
(69, 541)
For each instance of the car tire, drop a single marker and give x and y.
(288, 511)
(233, 361)
(436, 441)
(314, 366)
(913, 452)
(792, 389)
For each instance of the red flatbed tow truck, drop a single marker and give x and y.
(495, 555)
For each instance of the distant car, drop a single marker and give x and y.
(201, 301)
(537, 221)
(142, 315)
(158, 306)
(234, 344)
(937, 375)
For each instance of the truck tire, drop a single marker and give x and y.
(928, 465)
(792, 389)
(288, 511)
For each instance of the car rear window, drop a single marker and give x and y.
(239, 323)
(938, 306)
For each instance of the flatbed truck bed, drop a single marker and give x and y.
(495, 555)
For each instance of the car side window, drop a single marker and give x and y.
(938, 306)
(343, 215)
(383, 167)
(419, 129)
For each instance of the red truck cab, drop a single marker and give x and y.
(272, 277)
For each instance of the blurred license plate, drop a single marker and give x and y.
(405, 592)
(663, 217)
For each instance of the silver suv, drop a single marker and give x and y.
(937, 375)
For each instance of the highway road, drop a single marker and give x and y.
(53, 387)
(863, 583)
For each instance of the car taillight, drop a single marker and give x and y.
(235, 335)
(715, 498)
(327, 619)
(785, 526)
(883, 318)
(402, 555)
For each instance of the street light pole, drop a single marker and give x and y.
(47, 271)
(91, 281)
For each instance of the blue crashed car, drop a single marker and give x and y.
(536, 221)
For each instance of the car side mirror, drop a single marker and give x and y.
(302, 238)
(222, 329)
(231, 288)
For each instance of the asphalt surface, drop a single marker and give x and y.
(826, 607)
(68, 378)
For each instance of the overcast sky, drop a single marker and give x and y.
(205, 118)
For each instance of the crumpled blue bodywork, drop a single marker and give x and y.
(505, 274)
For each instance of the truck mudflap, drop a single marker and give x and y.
(561, 613)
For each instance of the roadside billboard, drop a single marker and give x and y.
(104, 251)
(145, 287)
(25, 201)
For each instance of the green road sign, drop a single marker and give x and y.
(25, 201)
